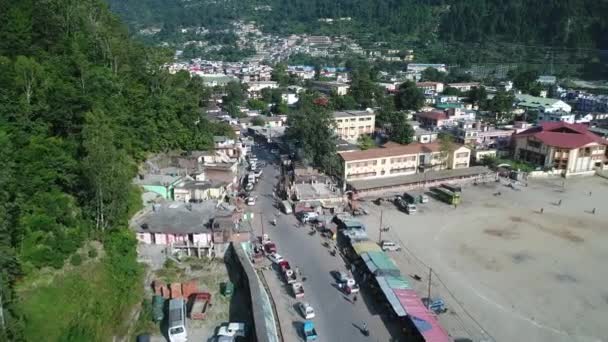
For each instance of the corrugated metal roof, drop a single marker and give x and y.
(391, 297)
(380, 264)
(366, 246)
(398, 283)
(418, 312)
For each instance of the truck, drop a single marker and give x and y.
(270, 247)
(415, 198)
(288, 273)
(200, 303)
(176, 322)
(297, 289)
(404, 205)
(447, 196)
(309, 331)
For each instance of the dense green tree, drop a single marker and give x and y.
(256, 104)
(434, 75)
(310, 128)
(477, 95)
(451, 91)
(401, 132)
(258, 121)
(366, 142)
(501, 106)
(409, 96)
(280, 75)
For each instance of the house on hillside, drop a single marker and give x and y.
(571, 148)
(541, 104)
(351, 124)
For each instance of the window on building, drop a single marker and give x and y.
(462, 155)
(383, 161)
(375, 162)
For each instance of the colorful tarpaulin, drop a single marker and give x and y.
(425, 321)
(390, 296)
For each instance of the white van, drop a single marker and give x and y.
(177, 321)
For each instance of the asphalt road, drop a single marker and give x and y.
(337, 318)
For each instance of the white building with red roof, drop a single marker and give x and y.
(571, 148)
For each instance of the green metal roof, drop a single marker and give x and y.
(398, 283)
(380, 264)
(448, 105)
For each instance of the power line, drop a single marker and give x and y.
(451, 295)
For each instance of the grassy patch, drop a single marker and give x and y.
(77, 303)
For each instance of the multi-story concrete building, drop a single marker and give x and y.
(398, 160)
(430, 87)
(557, 116)
(571, 148)
(350, 125)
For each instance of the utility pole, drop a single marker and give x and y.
(380, 236)
(429, 289)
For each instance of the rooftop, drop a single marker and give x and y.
(529, 100)
(434, 115)
(176, 218)
(362, 185)
(351, 113)
(390, 150)
(563, 135)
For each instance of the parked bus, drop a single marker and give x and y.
(177, 320)
(452, 188)
(447, 196)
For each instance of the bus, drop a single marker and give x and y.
(447, 196)
(177, 320)
(452, 188)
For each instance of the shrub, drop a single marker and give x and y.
(76, 260)
(92, 253)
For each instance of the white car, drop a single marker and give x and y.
(306, 310)
(250, 200)
(275, 258)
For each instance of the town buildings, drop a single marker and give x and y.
(541, 104)
(396, 160)
(570, 148)
(350, 125)
(338, 88)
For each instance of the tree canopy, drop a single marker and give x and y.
(409, 96)
(80, 106)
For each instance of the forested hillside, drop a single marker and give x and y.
(80, 106)
(557, 23)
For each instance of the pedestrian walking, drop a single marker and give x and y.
(560, 202)
(355, 299)
(593, 211)
(542, 210)
(590, 193)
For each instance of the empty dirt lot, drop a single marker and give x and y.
(507, 271)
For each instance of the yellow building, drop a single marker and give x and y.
(350, 125)
(397, 160)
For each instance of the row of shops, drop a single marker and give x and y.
(383, 278)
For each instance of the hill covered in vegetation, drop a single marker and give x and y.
(80, 105)
(557, 23)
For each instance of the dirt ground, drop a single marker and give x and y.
(507, 271)
(209, 274)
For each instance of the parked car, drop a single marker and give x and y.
(306, 310)
(387, 245)
(275, 258)
(309, 216)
